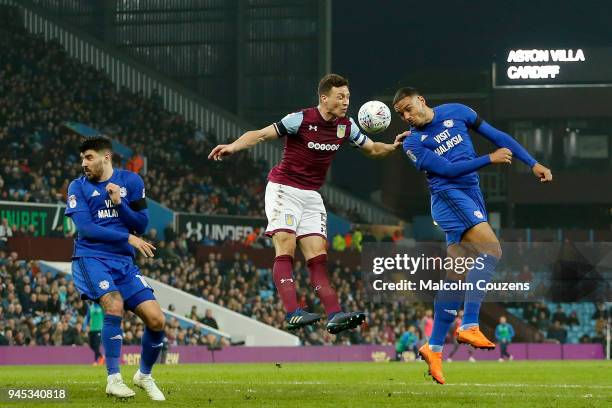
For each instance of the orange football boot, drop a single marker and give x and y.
(474, 337)
(434, 362)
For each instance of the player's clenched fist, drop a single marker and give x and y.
(541, 172)
(501, 156)
(113, 191)
(145, 248)
(221, 151)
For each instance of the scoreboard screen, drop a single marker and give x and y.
(553, 67)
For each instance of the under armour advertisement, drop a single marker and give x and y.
(218, 228)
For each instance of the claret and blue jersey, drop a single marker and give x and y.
(443, 149)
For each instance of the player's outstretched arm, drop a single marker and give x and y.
(503, 139)
(246, 141)
(378, 150)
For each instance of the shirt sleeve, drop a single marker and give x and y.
(502, 139)
(136, 193)
(472, 119)
(134, 212)
(290, 124)
(425, 159)
(356, 138)
(76, 201)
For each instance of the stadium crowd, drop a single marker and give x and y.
(42, 88)
(43, 309)
(38, 308)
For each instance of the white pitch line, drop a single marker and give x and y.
(389, 383)
(416, 383)
(497, 394)
(533, 385)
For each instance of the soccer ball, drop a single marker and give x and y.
(374, 117)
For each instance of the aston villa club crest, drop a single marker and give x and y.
(448, 123)
(341, 131)
(289, 220)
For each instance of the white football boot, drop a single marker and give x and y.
(147, 383)
(117, 388)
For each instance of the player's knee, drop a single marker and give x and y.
(495, 250)
(157, 322)
(284, 244)
(491, 248)
(112, 304)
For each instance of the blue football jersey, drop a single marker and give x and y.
(84, 195)
(446, 136)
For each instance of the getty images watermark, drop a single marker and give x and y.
(460, 265)
(561, 272)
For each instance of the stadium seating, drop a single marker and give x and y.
(584, 311)
(42, 89)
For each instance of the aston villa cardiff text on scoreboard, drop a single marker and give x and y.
(556, 67)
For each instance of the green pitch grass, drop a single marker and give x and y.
(509, 384)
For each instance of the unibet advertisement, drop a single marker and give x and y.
(43, 217)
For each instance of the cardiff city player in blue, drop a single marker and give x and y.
(438, 143)
(109, 208)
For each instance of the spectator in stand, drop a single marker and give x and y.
(357, 240)
(169, 233)
(504, 332)
(338, 243)
(600, 329)
(601, 311)
(251, 238)
(560, 315)
(136, 162)
(542, 322)
(427, 324)
(348, 240)
(407, 342)
(151, 236)
(557, 332)
(5, 232)
(368, 237)
(193, 314)
(209, 320)
(93, 322)
(573, 320)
